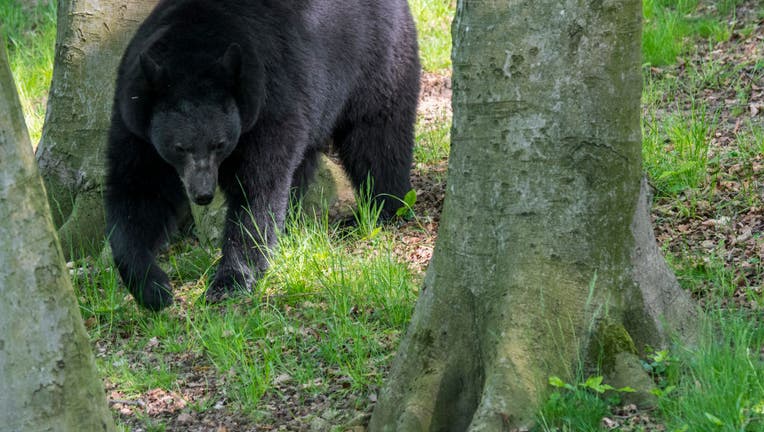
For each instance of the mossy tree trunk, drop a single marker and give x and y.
(545, 254)
(48, 376)
(91, 37)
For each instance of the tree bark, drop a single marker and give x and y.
(545, 255)
(91, 37)
(48, 374)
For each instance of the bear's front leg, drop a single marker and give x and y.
(256, 181)
(137, 226)
(143, 198)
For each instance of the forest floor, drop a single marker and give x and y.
(719, 224)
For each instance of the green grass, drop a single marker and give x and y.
(750, 142)
(572, 412)
(330, 304)
(433, 18)
(433, 140)
(572, 407)
(719, 383)
(700, 273)
(30, 33)
(670, 26)
(675, 148)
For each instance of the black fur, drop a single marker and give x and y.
(243, 93)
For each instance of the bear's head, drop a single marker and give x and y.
(194, 120)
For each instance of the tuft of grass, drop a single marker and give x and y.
(675, 150)
(30, 32)
(433, 140)
(578, 411)
(662, 35)
(367, 211)
(720, 384)
(239, 347)
(750, 142)
(701, 272)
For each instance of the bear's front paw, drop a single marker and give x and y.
(228, 284)
(156, 292)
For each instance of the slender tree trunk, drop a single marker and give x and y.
(92, 35)
(545, 255)
(48, 376)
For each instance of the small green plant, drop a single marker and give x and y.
(406, 211)
(593, 383)
(662, 368)
(577, 406)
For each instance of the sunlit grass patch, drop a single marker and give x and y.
(433, 139)
(329, 309)
(720, 379)
(30, 32)
(669, 26)
(675, 148)
(433, 18)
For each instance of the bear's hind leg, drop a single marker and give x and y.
(380, 146)
(304, 173)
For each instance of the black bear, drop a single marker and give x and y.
(244, 94)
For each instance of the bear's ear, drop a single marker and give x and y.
(155, 74)
(231, 63)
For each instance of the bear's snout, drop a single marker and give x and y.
(203, 199)
(200, 183)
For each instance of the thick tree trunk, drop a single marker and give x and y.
(48, 376)
(92, 35)
(545, 253)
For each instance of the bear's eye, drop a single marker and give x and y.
(180, 149)
(220, 145)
